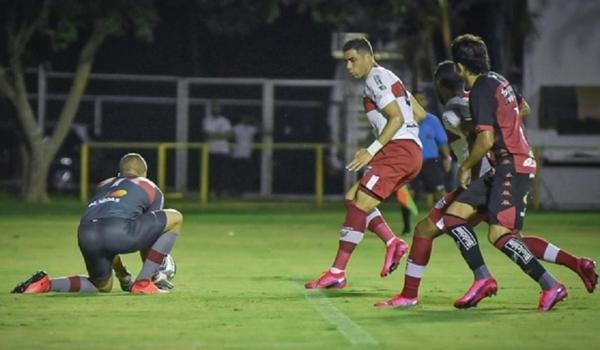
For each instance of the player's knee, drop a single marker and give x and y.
(426, 229)
(104, 286)
(174, 220)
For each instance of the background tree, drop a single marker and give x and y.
(58, 24)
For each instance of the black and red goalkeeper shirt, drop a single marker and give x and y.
(494, 105)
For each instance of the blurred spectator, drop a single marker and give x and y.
(435, 141)
(243, 133)
(217, 130)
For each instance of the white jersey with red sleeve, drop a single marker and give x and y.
(382, 88)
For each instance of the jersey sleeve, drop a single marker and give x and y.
(159, 201)
(483, 106)
(380, 86)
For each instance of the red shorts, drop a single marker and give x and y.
(437, 212)
(397, 163)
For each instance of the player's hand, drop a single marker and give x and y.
(464, 177)
(361, 158)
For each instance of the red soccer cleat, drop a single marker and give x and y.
(393, 253)
(38, 283)
(145, 286)
(328, 280)
(549, 298)
(480, 289)
(586, 269)
(398, 301)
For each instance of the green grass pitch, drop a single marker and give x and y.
(239, 286)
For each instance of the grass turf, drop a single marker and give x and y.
(239, 286)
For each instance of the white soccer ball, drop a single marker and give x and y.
(165, 274)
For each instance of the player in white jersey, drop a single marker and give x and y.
(458, 124)
(394, 158)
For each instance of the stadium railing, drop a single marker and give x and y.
(204, 173)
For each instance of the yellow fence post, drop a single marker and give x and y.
(84, 173)
(319, 181)
(204, 173)
(162, 167)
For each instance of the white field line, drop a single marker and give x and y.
(348, 328)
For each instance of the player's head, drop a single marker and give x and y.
(446, 81)
(133, 164)
(358, 54)
(470, 55)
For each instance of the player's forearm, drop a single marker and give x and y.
(445, 151)
(483, 143)
(394, 123)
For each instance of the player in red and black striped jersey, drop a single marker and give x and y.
(458, 123)
(503, 191)
(125, 215)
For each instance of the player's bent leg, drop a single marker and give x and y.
(585, 268)
(516, 250)
(351, 235)
(156, 254)
(418, 258)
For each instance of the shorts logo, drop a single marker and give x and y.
(372, 181)
(440, 203)
(519, 251)
(117, 193)
(464, 237)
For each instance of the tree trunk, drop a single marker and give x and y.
(35, 179)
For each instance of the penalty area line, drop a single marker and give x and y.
(344, 324)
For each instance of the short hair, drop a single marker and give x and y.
(470, 50)
(358, 44)
(447, 76)
(133, 163)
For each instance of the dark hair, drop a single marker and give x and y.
(358, 44)
(471, 51)
(447, 77)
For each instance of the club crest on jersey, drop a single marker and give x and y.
(509, 94)
(379, 83)
(117, 193)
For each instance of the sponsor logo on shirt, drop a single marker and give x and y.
(379, 83)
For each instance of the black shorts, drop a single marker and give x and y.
(432, 176)
(101, 239)
(503, 193)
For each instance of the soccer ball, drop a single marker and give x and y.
(165, 274)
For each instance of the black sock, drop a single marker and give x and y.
(518, 252)
(406, 219)
(466, 240)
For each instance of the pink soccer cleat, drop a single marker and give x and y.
(480, 289)
(38, 283)
(145, 286)
(328, 280)
(393, 253)
(586, 269)
(398, 301)
(549, 298)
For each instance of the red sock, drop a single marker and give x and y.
(354, 225)
(418, 258)
(378, 226)
(542, 249)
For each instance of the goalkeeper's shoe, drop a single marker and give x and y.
(398, 301)
(126, 282)
(393, 253)
(480, 289)
(549, 298)
(145, 286)
(328, 280)
(38, 283)
(586, 269)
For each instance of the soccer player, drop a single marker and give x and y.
(394, 158)
(125, 215)
(458, 123)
